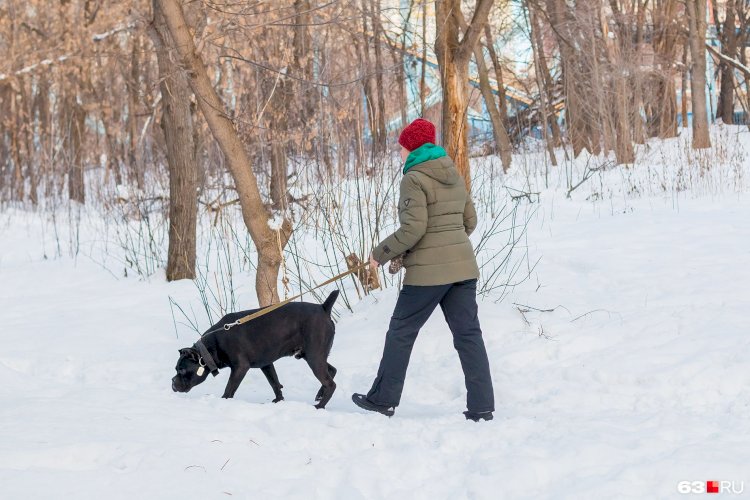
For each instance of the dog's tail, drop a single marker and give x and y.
(328, 304)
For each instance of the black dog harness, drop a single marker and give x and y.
(206, 357)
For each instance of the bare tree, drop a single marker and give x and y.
(728, 38)
(499, 132)
(660, 93)
(269, 243)
(177, 125)
(580, 109)
(696, 14)
(453, 55)
(74, 115)
(545, 86)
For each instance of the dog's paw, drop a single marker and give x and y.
(320, 406)
(281, 398)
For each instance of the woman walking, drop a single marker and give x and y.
(437, 217)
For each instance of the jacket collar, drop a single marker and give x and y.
(426, 152)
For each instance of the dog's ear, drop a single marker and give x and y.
(189, 352)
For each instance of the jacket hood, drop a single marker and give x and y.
(434, 162)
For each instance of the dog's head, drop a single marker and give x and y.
(191, 370)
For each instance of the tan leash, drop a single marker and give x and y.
(273, 307)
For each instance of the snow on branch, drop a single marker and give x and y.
(29, 69)
(729, 60)
(117, 29)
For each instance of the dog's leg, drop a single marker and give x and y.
(235, 378)
(332, 372)
(319, 368)
(273, 379)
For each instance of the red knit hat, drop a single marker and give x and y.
(418, 132)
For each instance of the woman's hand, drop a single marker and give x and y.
(373, 263)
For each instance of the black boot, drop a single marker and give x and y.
(476, 417)
(364, 403)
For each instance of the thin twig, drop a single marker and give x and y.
(523, 315)
(532, 308)
(609, 313)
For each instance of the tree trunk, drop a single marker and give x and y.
(543, 79)
(500, 133)
(177, 125)
(624, 151)
(696, 10)
(401, 73)
(18, 180)
(660, 98)
(502, 99)
(75, 120)
(134, 163)
(28, 130)
(278, 185)
(684, 82)
(619, 71)
(549, 85)
(578, 112)
(422, 76)
(268, 242)
(453, 58)
(381, 137)
(369, 86)
(725, 107)
(281, 101)
(302, 65)
(42, 111)
(639, 132)
(454, 116)
(403, 100)
(502, 140)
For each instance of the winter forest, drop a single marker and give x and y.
(164, 163)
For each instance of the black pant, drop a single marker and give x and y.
(415, 305)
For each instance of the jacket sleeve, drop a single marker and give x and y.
(470, 216)
(412, 214)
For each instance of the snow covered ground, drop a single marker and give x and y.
(638, 378)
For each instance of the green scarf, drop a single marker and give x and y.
(426, 152)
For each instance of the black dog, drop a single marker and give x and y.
(298, 329)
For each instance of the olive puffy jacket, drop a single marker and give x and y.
(437, 216)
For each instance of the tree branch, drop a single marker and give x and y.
(475, 28)
(729, 60)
